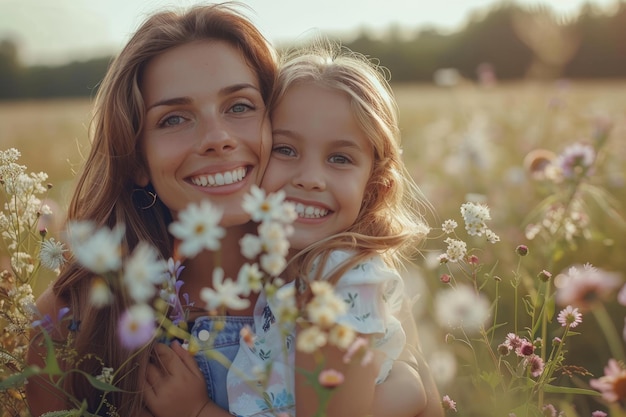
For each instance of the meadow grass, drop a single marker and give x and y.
(458, 142)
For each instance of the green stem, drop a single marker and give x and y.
(612, 337)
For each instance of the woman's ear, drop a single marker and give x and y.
(141, 176)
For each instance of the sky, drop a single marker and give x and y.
(53, 32)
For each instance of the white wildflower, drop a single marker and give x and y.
(491, 236)
(448, 226)
(273, 264)
(456, 251)
(341, 336)
(274, 238)
(461, 307)
(106, 375)
(251, 246)
(22, 263)
(250, 278)
(51, 254)
(198, 228)
(100, 294)
(225, 293)
(271, 207)
(143, 271)
(310, 339)
(475, 217)
(99, 250)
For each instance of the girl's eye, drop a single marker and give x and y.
(283, 150)
(340, 159)
(170, 121)
(240, 108)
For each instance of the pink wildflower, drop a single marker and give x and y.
(330, 378)
(570, 316)
(525, 349)
(136, 326)
(549, 410)
(582, 286)
(536, 365)
(599, 413)
(513, 341)
(448, 403)
(613, 384)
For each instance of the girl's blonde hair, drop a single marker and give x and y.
(105, 187)
(390, 221)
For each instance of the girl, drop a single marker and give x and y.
(184, 102)
(336, 154)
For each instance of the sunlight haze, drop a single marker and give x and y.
(54, 32)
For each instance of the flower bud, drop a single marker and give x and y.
(521, 250)
(445, 278)
(544, 275)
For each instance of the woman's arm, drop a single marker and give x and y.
(42, 394)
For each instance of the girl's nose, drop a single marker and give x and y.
(309, 177)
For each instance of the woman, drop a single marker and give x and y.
(183, 103)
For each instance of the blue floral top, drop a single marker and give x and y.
(373, 293)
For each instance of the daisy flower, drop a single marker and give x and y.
(99, 250)
(198, 228)
(137, 326)
(225, 293)
(143, 271)
(310, 339)
(264, 207)
(611, 385)
(570, 316)
(581, 286)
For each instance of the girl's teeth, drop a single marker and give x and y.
(310, 212)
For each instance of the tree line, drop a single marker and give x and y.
(512, 41)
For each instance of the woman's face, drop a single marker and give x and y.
(206, 133)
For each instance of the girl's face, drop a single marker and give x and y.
(320, 158)
(206, 133)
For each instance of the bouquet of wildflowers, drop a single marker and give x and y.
(511, 333)
(158, 309)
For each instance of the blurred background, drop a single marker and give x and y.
(483, 87)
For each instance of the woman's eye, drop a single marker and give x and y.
(240, 108)
(339, 159)
(283, 150)
(171, 121)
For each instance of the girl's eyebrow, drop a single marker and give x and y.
(187, 100)
(338, 143)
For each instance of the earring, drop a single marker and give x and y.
(143, 199)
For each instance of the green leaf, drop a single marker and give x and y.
(569, 390)
(98, 384)
(17, 380)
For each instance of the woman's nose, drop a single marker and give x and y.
(216, 137)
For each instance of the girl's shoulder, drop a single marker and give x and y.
(372, 270)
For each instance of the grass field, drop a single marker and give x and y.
(457, 142)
